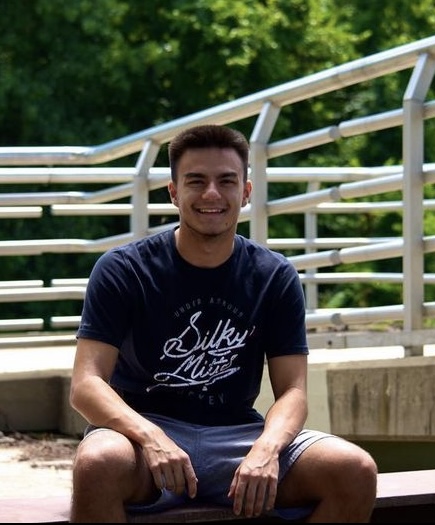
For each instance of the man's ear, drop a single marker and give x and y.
(173, 193)
(246, 192)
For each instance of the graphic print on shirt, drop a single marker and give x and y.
(206, 348)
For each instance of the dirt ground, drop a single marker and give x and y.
(40, 449)
(35, 464)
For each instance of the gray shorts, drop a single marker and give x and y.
(215, 453)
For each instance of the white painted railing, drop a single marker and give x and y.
(75, 164)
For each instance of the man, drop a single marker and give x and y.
(175, 331)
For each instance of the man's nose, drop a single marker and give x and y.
(211, 191)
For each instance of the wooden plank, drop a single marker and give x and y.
(407, 488)
(395, 489)
(56, 509)
(52, 509)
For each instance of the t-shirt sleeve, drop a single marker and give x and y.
(286, 334)
(107, 304)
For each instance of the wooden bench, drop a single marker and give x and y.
(403, 497)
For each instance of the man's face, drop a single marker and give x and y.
(210, 191)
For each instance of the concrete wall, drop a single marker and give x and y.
(393, 399)
(38, 404)
(387, 399)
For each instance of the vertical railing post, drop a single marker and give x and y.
(413, 193)
(139, 220)
(311, 287)
(261, 133)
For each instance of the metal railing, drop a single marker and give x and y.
(74, 165)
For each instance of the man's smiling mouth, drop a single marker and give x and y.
(210, 210)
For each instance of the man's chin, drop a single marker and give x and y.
(213, 233)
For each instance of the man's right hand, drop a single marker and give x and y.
(169, 464)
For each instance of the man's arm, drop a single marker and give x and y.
(287, 416)
(255, 482)
(93, 397)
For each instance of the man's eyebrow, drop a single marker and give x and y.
(224, 174)
(228, 175)
(193, 174)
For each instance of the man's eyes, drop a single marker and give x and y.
(201, 182)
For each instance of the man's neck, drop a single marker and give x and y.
(202, 250)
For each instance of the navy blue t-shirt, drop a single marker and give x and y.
(193, 341)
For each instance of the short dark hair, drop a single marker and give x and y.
(208, 136)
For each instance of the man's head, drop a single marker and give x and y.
(208, 136)
(209, 184)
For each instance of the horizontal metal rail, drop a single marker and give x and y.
(335, 78)
(333, 190)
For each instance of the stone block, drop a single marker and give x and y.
(383, 399)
